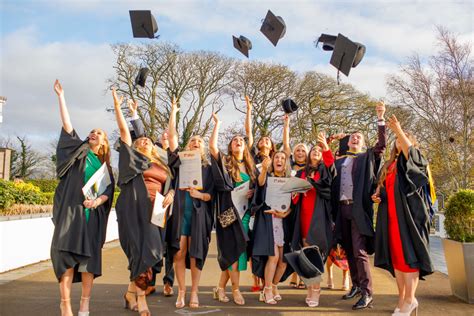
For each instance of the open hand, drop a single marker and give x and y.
(132, 106)
(380, 109)
(215, 118)
(394, 124)
(322, 141)
(117, 101)
(58, 88)
(174, 105)
(266, 163)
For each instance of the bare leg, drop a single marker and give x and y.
(345, 280)
(329, 269)
(131, 296)
(235, 280)
(180, 270)
(270, 268)
(65, 284)
(195, 276)
(401, 288)
(87, 280)
(280, 270)
(141, 298)
(411, 283)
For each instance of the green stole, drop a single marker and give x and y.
(92, 165)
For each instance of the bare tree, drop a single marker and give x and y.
(25, 161)
(440, 94)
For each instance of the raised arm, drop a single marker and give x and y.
(122, 124)
(286, 135)
(213, 149)
(172, 133)
(395, 126)
(381, 142)
(262, 177)
(248, 122)
(62, 107)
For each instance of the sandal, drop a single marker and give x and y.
(130, 304)
(180, 299)
(219, 294)
(238, 298)
(293, 285)
(301, 285)
(167, 290)
(263, 297)
(311, 302)
(194, 303)
(276, 294)
(84, 313)
(143, 312)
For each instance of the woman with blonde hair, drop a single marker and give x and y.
(188, 231)
(230, 171)
(142, 176)
(402, 229)
(79, 224)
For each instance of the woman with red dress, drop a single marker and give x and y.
(402, 230)
(312, 217)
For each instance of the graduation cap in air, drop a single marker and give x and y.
(307, 263)
(242, 44)
(347, 54)
(140, 79)
(329, 41)
(289, 106)
(343, 145)
(143, 24)
(273, 27)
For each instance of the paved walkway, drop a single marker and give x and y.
(34, 291)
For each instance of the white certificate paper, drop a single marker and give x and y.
(275, 198)
(190, 173)
(97, 184)
(239, 198)
(296, 184)
(158, 216)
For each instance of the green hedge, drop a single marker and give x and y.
(19, 193)
(45, 185)
(459, 216)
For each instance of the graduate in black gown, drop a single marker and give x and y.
(79, 224)
(142, 175)
(188, 230)
(269, 243)
(232, 170)
(402, 230)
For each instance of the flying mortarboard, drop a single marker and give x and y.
(140, 79)
(273, 27)
(242, 44)
(143, 24)
(289, 106)
(347, 54)
(329, 41)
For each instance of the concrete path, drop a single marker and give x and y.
(34, 291)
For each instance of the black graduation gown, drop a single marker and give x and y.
(231, 240)
(364, 181)
(140, 239)
(75, 241)
(320, 230)
(263, 241)
(413, 216)
(201, 220)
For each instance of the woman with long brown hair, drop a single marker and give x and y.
(188, 231)
(79, 224)
(402, 229)
(230, 171)
(142, 176)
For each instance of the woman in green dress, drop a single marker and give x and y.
(230, 171)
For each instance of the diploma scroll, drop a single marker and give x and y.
(190, 172)
(239, 198)
(274, 197)
(97, 184)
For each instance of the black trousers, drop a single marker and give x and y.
(355, 245)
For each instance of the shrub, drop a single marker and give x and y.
(19, 193)
(48, 198)
(6, 194)
(459, 216)
(45, 185)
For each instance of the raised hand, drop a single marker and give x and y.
(266, 163)
(380, 109)
(215, 118)
(337, 136)
(394, 124)
(117, 101)
(286, 119)
(174, 105)
(58, 88)
(249, 103)
(322, 141)
(132, 106)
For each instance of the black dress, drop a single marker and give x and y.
(76, 243)
(140, 239)
(263, 239)
(413, 216)
(231, 240)
(201, 220)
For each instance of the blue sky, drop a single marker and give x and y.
(43, 40)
